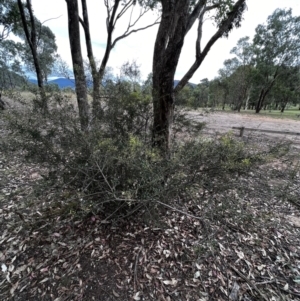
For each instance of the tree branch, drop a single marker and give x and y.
(132, 31)
(110, 23)
(82, 23)
(199, 35)
(124, 9)
(24, 22)
(32, 21)
(195, 14)
(51, 19)
(225, 25)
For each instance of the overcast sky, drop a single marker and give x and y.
(139, 46)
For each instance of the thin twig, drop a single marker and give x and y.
(135, 270)
(51, 19)
(252, 285)
(178, 210)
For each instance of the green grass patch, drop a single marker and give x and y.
(287, 114)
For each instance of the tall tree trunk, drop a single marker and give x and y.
(262, 97)
(163, 105)
(167, 49)
(31, 38)
(260, 101)
(80, 80)
(265, 91)
(239, 106)
(283, 105)
(2, 104)
(97, 110)
(247, 102)
(175, 23)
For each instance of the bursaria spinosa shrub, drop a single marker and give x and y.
(114, 166)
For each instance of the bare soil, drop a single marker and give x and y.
(221, 122)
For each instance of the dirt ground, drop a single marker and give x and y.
(238, 242)
(222, 122)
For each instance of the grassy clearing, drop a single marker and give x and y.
(287, 114)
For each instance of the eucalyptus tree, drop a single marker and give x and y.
(11, 73)
(46, 51)
(225, 80)
(77, 61)
(217, 93)
(287, 87)
(116, 10)
(37, 49)
(31, 32)
(244, 54)
(9, 18)
(177, 18)
(131, 71)
(276, 46)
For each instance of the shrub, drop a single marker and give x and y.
(113, 164)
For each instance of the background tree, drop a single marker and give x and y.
(11, 73)
(62, 68)
(9, 18)
(185, 97)
(32, 40)
(46, 51)
(235, 78)
(131, 71)
(225, 73)
(115, 11)
(276, 44)
(12, 23)
(243, 73)
(287, 88)
(214, 94)
(204, 91)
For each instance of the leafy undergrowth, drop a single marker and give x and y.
(51, 249)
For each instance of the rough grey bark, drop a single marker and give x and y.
(31, 38)
(96, 82)
(2, 103)
(167, 49)
(80, 80)
(176, 21)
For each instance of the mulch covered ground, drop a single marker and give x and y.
(243, 244)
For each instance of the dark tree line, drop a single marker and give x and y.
(265, 72)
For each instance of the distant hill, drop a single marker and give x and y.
(34, 81)
(61, 82)
(65, 82)
(188, 84)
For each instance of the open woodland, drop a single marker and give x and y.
(123, 189)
